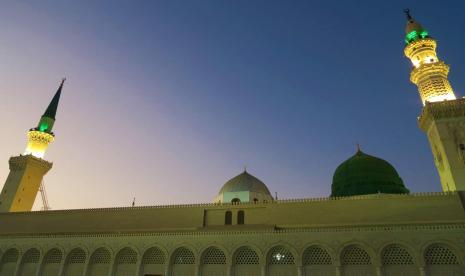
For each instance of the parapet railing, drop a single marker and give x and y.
(246, 204)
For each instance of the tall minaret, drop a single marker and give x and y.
(27, 170)
(443, 115)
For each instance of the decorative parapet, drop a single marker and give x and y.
(419, 45)
(277, 230)
(250, 204)
(428, 70)
(20, 162)
(441, 110)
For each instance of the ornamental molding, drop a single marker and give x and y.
(459, 227)
(441, 110)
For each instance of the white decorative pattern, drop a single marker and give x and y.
(280, 255)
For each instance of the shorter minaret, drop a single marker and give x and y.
(443, 115)
(27, 170)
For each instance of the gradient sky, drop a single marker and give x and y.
(167, 100)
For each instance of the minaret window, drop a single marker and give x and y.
(228, 218)
(235, 201)
(240, 217)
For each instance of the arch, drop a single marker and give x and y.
(75, 262)
(280, 261)
(396, 254)
(9, 261)
(51, 262)
(440, 254)
(183, 262)
(356, 261)
(125, 262)
(235, 200)
(441, 259)
(246, 261)
(99, 262)
(153, 261)
(396, 260)
(213, 261)
(240, 217)
(316, 260)
(228, 218)
(29, 262)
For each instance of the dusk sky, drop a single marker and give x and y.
(167, 100)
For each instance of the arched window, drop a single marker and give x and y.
(8, 263)
(213, 255)
(246, 256)
(279, 255)
(235, 200)
(126, 256)
(153, 262)
(240, 217)
(154, 256)
(438, 254)
(29, 262)
(74, 264)
(315, 255)
(255, 200)
(99, 262)
(228, 218)
(51, 262)
(354, 255)
(395, 254)
(183, 255)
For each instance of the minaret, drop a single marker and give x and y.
(443, 115)
(27, 170)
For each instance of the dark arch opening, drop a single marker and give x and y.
(235, 200)
(240, 217)
(228, 218)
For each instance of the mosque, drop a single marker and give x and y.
(370, 224)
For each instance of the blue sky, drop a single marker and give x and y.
(167, 100)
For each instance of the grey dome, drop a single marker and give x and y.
(245, 182)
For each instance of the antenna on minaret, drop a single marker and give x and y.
(134, 202)
(407, 13)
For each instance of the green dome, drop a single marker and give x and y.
(364, 174)
(245, 182)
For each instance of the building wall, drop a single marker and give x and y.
(370, 250)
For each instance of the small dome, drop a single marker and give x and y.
(245, 182)
(365, 174)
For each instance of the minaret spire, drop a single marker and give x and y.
(407, 13)
(51, 110)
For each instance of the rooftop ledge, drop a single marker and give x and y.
(250, 204)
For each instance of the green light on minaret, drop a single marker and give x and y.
(414, 35)
(43, 127)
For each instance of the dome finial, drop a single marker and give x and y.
(407, 13)
(245, 168)
(359, 149)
